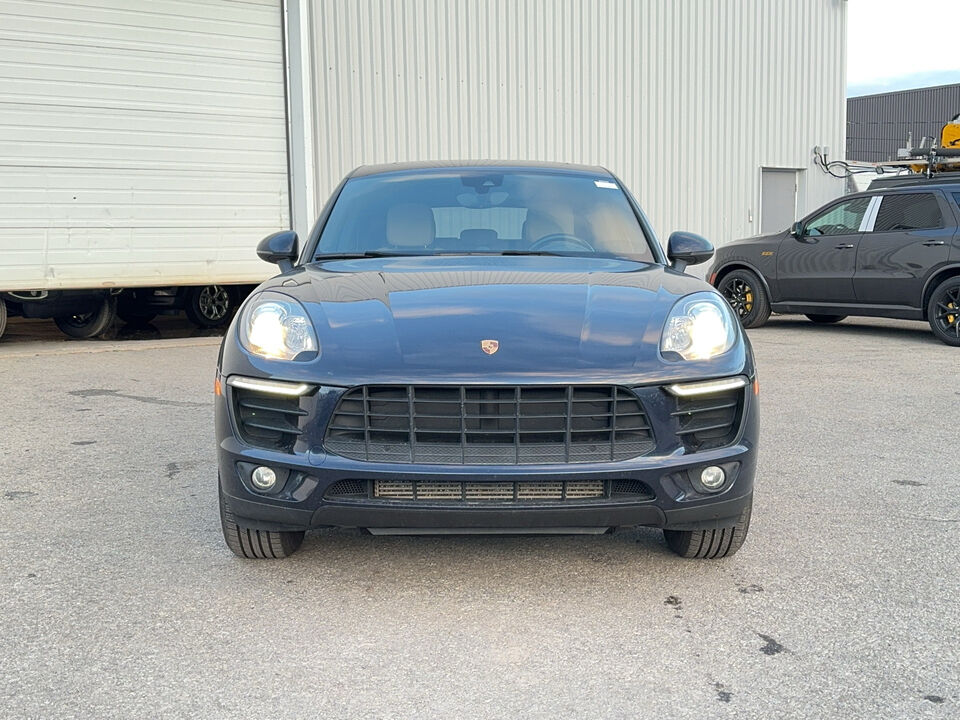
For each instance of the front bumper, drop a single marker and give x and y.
(676, 501)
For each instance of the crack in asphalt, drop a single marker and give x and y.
(100, 392)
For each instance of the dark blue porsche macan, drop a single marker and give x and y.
(485, 348)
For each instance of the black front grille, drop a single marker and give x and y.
(268, 421)
(709, 421)
(469, 425)
(520, 491)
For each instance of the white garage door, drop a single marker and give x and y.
(142, 142)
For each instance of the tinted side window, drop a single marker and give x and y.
(913, 211)
(842, 219)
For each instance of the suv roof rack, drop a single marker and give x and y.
(943, 178)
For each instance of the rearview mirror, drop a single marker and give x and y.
(282, 248)
(797, 229)
(686, 248)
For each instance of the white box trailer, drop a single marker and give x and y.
(142, 146)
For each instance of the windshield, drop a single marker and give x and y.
(477, 211)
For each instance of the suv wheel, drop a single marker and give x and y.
(718, 543)
(256, 544)
(209, 306)
(826, 319)
(89, 325)
(943, 311)
(746, 295)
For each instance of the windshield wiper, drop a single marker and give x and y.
(574, 254)
(366, 254)
(553, 253)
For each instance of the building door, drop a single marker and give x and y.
(778, 199)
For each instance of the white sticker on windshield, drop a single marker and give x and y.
(605, 184)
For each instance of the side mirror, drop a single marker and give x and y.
(686, 248)
(797, 230)
(281, 248)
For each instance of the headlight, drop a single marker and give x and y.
(699, 327)
(277, 326)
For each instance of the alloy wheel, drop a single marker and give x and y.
(213, 302)
(739, 294)
(947, 314)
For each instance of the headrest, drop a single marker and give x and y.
(410, 225)
(612, 228)
(538, 225)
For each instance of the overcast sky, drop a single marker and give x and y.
(901, 44)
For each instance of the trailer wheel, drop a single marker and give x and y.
(89, 325)
(209, 306)
(3, 317)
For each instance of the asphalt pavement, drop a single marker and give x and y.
(118, 598)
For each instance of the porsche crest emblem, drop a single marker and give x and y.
(489, 346)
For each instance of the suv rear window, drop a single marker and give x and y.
(912, 211)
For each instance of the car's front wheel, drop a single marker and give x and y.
(943, 311)
(826, 319)
(711, 544)
(747, 296)
(256, 544)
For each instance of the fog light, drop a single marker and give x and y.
(713, 477)
(263, 478)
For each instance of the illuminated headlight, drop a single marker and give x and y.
(276, 326)
(699, 327)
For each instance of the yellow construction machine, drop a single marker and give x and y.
(943, 157)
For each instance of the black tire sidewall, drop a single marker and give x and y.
(3, 317)
(942, 336)
(99, 322)
(761, 305)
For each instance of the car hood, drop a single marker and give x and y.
(413, 319)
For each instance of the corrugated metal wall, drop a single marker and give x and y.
(686, 101)
(877, 125)
(140, 143)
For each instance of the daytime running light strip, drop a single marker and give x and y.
(708, 387)
(273, 387)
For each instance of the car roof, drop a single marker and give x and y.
(944, 181)
(366, 170)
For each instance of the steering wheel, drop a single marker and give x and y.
(552, 238)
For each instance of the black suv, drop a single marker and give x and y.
(892, 251)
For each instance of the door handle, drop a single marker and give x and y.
(929, 243)
(844, 247)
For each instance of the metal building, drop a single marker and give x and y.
(155, 142)
(709, 111)
(878, 125)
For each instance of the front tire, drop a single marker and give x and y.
(89, 325)
(826, 319)
(943, 311)
(209, 306)
(710, 544)
(256, 544)
(747, 296)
